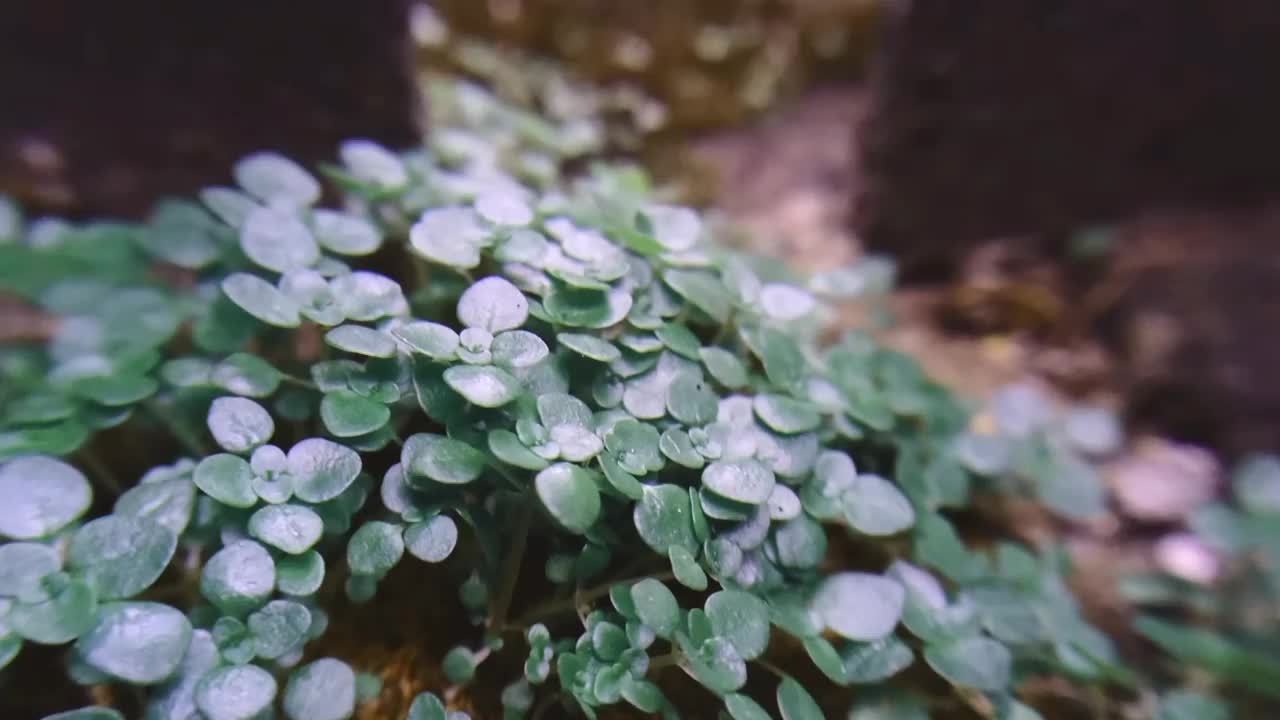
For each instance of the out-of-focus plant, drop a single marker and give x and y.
(1222, 631)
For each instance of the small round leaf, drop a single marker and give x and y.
(139, 642)
(238, 424)
(322, 469)
(238, 578)
(483, 385)
(441, 459)
(238, 692)
(977, 662)
(663, 518)
(67, 611)
(860, 606)
(361, 340)
(570, 495)
(41, 496)
(279, 628)
(375, 548)
(518, 349)
(493, 304)
(293, 529)
(121, 556)
(348, 414)
(432, 540)
(875, 506)
(742, 619)
(656, 606)
(744, 481)
(261, 299)
(324, 689)
(228, 479)
(270, 176)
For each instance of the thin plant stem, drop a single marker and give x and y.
(511, 567)
(100, 471)
(559, 607)
(544, 705)
(179, 429)
(298, 382)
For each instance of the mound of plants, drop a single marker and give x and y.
(660, 482)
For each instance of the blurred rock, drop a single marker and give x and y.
(110, 105)
(1162, 481)
(710, 62)
(1022, 117)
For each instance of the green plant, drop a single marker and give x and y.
(1222, 636)
(1034, 449)
(520, 358)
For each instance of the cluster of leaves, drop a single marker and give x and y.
(1229, 630)
(574, 362)
(1030, 447)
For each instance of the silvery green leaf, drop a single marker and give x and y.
(367, 296)
(361, 340)
(235, 692)
(139, 642)
(485, 386)
(977, 662)
(120, 556)
(344, 233)
(875, 506)
(322, 469)
(493, 304)
(313, 296)
(432, 540)
(277, 240)
(271, 177)
(42, 495)
(321, 689)
(786, 303)
(518, 349)
(238, 578)
(675, 228)
(238, 424)
(292, 529)
(450, 236)
(370, 162)
(860, 606)
(744, 481)
(261, 299)
(503, 207)
(436, 341)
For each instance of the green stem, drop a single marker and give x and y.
(100, 471)
(298, 382)
(544, 705)
(511, 567)
(559, 607)
(665, 661)
(189, 440)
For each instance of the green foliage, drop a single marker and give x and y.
(1225, 625)
(573, 362)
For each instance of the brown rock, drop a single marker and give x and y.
(1015, 117)
(109, 105)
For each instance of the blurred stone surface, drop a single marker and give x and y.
(109, 105)
(1013, 117)
(1189, 305)
(1029, 121)
(710, 62)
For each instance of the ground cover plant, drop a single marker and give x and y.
(466, 353)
